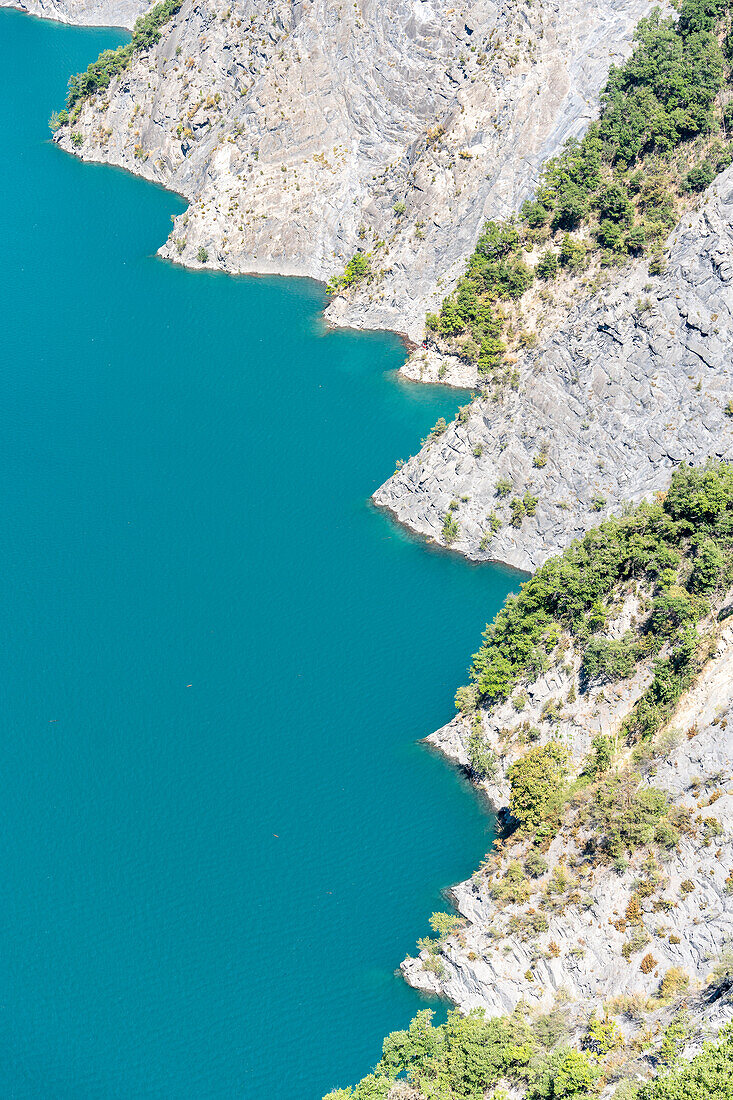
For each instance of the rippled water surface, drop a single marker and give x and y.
(209, 638)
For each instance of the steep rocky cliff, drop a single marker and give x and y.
(300, 131)
(636, 379)
(90, 13)
(685, 919)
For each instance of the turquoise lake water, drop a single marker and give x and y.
(209, 638)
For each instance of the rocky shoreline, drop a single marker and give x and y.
(477, 968)
(637, 379)
(85, 13)
(300, 134)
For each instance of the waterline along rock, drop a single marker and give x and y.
(636, 380)
(301, 132)
(580, 950)
(91, 13)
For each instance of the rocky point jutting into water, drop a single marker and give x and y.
(580, 945)
(635, 380)
(92, 13)
(596, 721)
(300, 132)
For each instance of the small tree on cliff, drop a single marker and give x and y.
(537, 785)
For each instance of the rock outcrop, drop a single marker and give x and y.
(686, 916)
(302, 131)
(87, 13)
(637, 379)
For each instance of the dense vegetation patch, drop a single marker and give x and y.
(674, 559)
(537, 784)
(662, 133)
(357, 269)
(467, 1056)
(680, 548)
(110, 63)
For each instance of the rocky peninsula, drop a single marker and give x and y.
(301, 132)
(634, 380)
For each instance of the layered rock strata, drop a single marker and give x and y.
(637, 379)
(302, 131)
(86, 13)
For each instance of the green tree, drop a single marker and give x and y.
(575, 1076)
(481, 757)
(547, 265)
(707, 567)
(709, 1076)
(451, 529)
(537, 783)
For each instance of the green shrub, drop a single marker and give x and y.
(564, 1075)
(602, 1037)
(57, 120)
(530, 503)
(466, 698)
(481, 757)
(607, 659)
(602, 756)
(356, 269)
(111, 63)
(707, 567)
(537, 783)
(534, 214)
(535, 864)
(622, 816)
(445, 924)
(636, 240)
(674, 983)
(517, 510)
(451, 530)
(700, 177)
(547, 265)
(512, 887)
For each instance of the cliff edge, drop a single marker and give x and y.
(301, 132)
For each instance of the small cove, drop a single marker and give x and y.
(220, 834)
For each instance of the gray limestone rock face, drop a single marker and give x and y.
(88, 13)
(487, 964)
(637, 379)
(302, 131)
